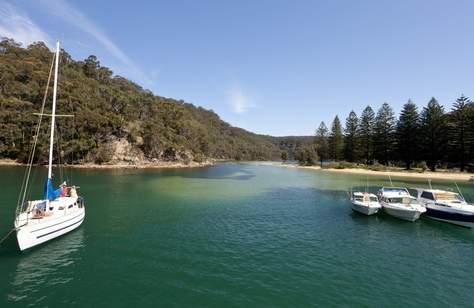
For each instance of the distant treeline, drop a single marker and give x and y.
(432, 137)
(108, 109)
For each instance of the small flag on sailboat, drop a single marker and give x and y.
(49, 192)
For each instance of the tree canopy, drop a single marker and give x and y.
(109, 109)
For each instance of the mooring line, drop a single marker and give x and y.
(7, 236)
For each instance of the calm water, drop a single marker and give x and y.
(234, 235)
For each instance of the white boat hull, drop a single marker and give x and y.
(364, 209)
(31, 235)
(408, 214)
(455, 222)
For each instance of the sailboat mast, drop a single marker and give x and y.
(53, 112)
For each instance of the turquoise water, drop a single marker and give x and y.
(234, 235)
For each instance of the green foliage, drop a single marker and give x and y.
(433, 130)
(107, 108)
(366, 133)
(376, 166)
(321, 141)
(423, 166)
(306, 156)
(350, 137)
(291, 144)
(331, 165)
(407, 134)
(336, 140)
(284, 155)
(384, 134)
(460, 135)
(340, 165)
(429, 140)
(347, 165)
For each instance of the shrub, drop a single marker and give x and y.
(103, 154)
(346, 165)
(331, 165)
(423, 166)
(376, 166)
(306, 156)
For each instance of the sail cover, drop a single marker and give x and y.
(49, 192)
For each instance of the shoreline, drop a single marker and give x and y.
(439, 175)
(121, 165)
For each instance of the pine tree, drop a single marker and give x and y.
(470, 137)
(336, 140)
(321, 140)
(384, 134)
(459, 131)
(350, 137)
(366, 133)
(433, 130)
(408, 128)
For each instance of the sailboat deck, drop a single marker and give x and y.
(57, 209)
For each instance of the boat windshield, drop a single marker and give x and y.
(358, 198)
(374, 199)
(403, 200)
(448, 196)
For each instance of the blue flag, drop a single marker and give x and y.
(49, 192)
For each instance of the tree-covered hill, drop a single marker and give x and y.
(115, 119)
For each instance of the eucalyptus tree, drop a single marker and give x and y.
(350, 137)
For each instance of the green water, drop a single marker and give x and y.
(234, 235)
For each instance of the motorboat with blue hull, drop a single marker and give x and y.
(447, 206)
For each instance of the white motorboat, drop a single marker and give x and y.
(365, 203)
(397, 202)
(57, 213)
(447, 206)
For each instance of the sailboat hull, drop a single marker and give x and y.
(32, 235)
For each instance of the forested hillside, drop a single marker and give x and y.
(115, 119)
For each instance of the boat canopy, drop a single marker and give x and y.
(49, 192)
(447, 196)
(394, 189)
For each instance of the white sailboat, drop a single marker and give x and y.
(39, 221)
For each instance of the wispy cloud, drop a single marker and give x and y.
(240, 102)
(16, 24)
(70, 14)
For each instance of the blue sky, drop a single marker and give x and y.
(270, 66)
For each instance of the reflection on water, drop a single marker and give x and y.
(39, 268)
(234, 172)
(238, 235)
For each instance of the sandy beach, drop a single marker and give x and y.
(122, 165)
(441, 175)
